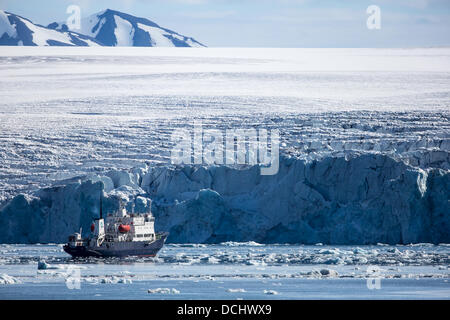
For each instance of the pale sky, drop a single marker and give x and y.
(271, 23)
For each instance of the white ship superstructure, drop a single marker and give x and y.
(130, 227)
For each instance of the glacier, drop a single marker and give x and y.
(365, 142)
(365, 199)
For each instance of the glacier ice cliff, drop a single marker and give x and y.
(357, 199)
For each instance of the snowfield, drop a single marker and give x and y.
(365, 142)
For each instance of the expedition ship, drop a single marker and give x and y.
(122, 234)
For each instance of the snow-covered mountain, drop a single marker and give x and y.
(16, 30)
(114, 28)
(106, 28)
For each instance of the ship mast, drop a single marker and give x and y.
(101, 209)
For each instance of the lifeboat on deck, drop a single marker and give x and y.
(124, 228)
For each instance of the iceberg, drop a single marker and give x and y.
(6, 279)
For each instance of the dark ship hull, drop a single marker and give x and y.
(119, 249)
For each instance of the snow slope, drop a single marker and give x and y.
(16, 30)
(114, 28)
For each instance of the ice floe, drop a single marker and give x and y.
(163, 291)
(6, 279)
